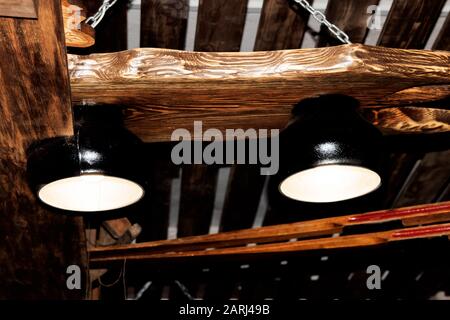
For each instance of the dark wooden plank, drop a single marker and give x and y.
(242, 199)
(18, 8)
(198, 186)
(443, 40)
(410, 23)
(36, 244)
(350, 16)
(281, 26)
(220, 24)
(245, 90)
(429, 179)
(163, 23)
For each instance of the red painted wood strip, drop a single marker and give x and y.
(398, 213)
(416, 232)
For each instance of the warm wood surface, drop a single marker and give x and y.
(416, 215)
(410, 23)
(220, 24)
(350, 16)
(18, 8)
(36, 244)
(168, 89)
(163, 23)
(280, 26)
(77, 33)
(363, 240)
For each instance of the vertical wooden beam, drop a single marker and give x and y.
(220, 24)
(281, 26)
(198, 185)
(350, 16)
(243, 194)
(163, 23)
(410, 23)
(36, 244)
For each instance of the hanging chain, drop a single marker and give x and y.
(320, 17)
(98, 16)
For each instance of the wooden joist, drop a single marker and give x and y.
(18, 8)
(193, 246)
(36, 244)
(168, 89)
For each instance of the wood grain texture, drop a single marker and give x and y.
(280, 26)
(443, 40)
(18, 8)
(409, 119)
(415, 215)
(77, 33)
(244, 89)
(410, 23)
(163, 23)
(350, 16)
(220, 24)
(36, 244)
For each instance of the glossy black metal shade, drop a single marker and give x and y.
(100, 147)
(329, 131)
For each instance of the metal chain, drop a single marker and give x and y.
(320, 17)
(98, 16)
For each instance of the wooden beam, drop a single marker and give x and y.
(169, 89)
(413, 215)
(350, 16)
(281, 26)
(410, 23)
(18, 9)
(220, 24)
(164, 23)
(36, 244)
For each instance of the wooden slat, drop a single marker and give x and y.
(415, 215)
(220, 24)
(18, 8)
(164, 23)
(364, 240)
(242, 199)
(281, 26)
(350, 16)
(36, 244)
(244, 90)
(410, 23)
(443, 40)
(198, 185)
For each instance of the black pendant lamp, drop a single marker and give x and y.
(329, 153)
(98, 169)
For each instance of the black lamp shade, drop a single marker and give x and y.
(328, 152)
(97, 169)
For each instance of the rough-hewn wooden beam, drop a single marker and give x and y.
(168, 89)
(36, 244)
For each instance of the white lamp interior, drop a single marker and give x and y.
(91, 192)
(330, 183)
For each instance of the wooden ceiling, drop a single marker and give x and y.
(185, 198)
